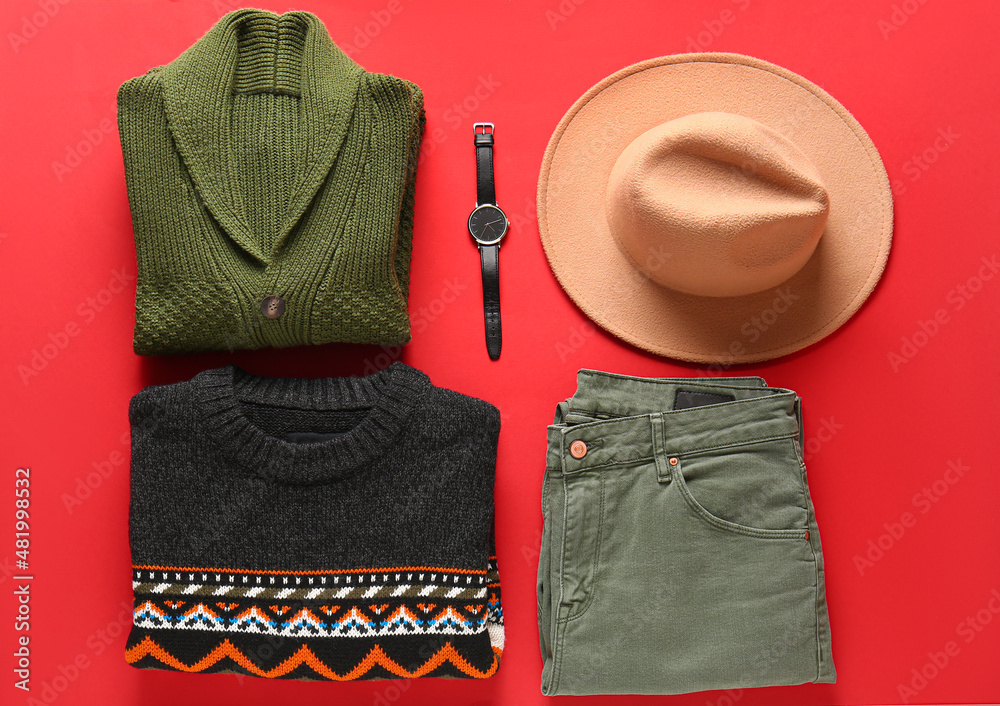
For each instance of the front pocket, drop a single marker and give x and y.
(582, 533)
(753, 489)
(543, 582)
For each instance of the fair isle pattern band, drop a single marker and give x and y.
(433, 584)
(336, 625)
(345, 593)
(449, 660)
(376, 620)
(352, 603)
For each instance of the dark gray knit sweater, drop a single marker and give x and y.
(338, 528)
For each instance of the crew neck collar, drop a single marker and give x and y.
(389, 396)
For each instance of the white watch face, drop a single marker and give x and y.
(487, 224)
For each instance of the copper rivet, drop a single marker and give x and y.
(578, 449)
(673, 461)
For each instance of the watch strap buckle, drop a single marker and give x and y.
(483, 133)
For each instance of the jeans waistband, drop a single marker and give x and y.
(624, 419)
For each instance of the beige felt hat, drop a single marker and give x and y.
(714, 208)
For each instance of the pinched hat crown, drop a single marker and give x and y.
(716, 204)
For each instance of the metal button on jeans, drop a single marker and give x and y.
(272, 307)
(578, 449)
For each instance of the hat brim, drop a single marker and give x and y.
(605, 284)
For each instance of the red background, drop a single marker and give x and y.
(910, 71)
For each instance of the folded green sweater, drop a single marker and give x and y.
(271, 184)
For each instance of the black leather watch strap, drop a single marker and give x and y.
(485, 191)
(490, 256)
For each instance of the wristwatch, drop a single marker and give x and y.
(488, 225)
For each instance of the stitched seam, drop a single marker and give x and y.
(597, 558)
(798, 454)
(551, 627)
(749, 531)
(562, 549)
(803, 482)
(557, 672)
(810, 515)
(610, 464)
(747, 442)
(749, 400)
(544, 576)
(663, 474)
(816, 617)
(708, 382)
(728, 526)
(601, 418)
(762, 398)
(557, 651)
(687, 454)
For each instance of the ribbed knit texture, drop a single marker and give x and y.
(403, 478)
(264, 161)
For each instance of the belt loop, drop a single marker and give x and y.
(659, 447)
(562, 408)
(562, 451)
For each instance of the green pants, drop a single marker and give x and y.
(680, 550)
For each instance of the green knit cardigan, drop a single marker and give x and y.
(264, 162)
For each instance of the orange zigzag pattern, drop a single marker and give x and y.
(149, 647)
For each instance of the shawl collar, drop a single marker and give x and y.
(198, 98)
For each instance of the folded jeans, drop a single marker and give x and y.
(680, 550)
